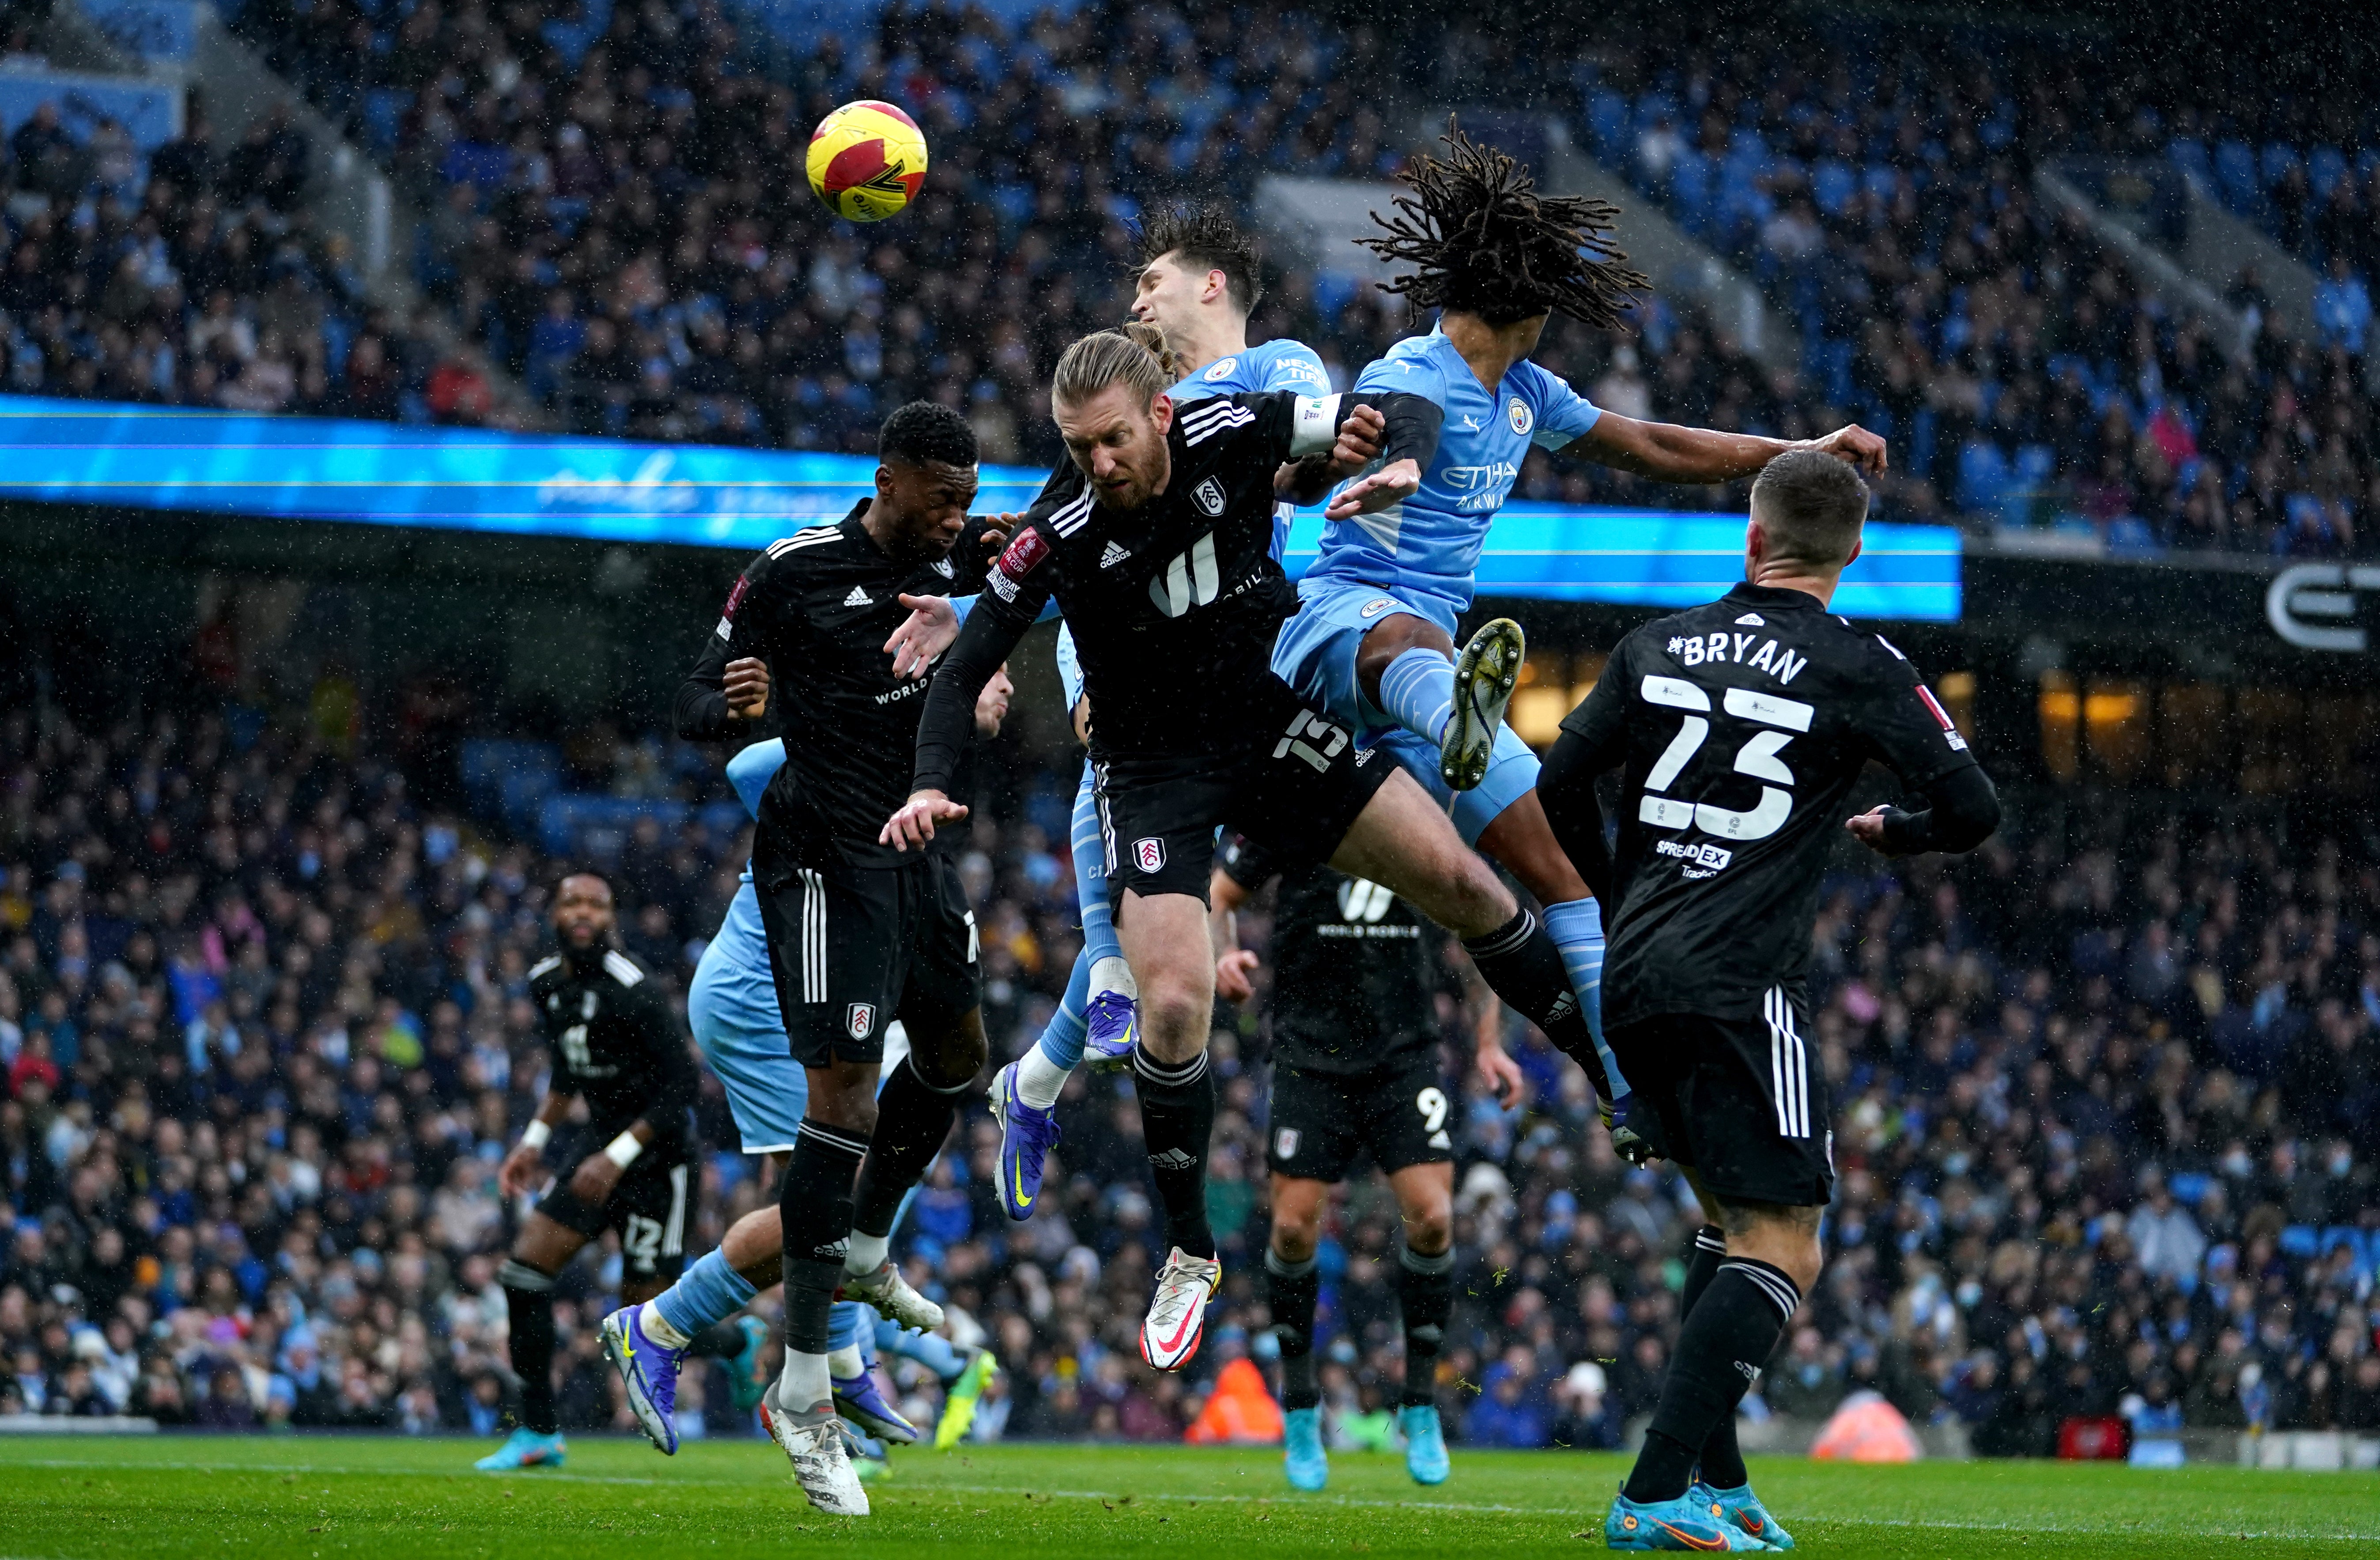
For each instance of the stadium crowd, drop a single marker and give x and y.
(597, 227)
(605, 219)
(2106, 1131)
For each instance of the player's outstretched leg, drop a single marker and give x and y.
(1024, 1097)
(1401, 839)
(648, 1343)
(814, 1206)
(1098, 1021)
(1166, 933)
(1295, 1284)
(1426, 1294)
(1720, 1479)
(1731, 1330)
(528, 1296)
(1485, 675)
(858, 1397)
(914, 1115)
(962, 1397)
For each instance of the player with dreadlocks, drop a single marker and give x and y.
(1373, 643)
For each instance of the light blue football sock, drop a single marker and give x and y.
(1099, 939)
(1577, 929)
(1061, 1037)
(709, 1293)
(849, 1323)
(1418, 690)
(930, 1349)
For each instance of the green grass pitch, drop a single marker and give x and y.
(70, 1497)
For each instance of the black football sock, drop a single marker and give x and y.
(1294, 1286)
(912, 1119)
(1426, 1294)
(1521, 964)
(1177, 1118)
(816, 1208)
(1726, 1337)
(1722, 1461)
(722, 1341)
(528, 1304)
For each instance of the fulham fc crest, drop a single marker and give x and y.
(1284, 1143)
(1208, 496)
(861, 1020)
(1148, 855)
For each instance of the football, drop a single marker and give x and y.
(867, 160)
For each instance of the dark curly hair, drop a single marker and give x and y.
(923, 433)
(1207, 237)
(1483, 241)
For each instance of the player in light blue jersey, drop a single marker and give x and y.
(1373, 643)
(732, 1008)
(1200, 280)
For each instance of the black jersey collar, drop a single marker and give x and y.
(1774, 596)
(856, 531)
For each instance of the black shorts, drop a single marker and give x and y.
(1327, 1124)
(1295, 784)
(852, 949)
(1740, 1101)
(648, 1207)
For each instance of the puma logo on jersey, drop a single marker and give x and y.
(1113, 556)
(858, 597)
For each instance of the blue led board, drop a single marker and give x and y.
(600, 489)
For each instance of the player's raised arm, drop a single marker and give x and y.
(1010, 605)
(728, 688)
(1668, 453)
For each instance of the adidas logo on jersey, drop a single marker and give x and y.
(858, 597)
(1172, 1159)
(1113, 556)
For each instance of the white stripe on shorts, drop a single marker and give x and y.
(673, 1233)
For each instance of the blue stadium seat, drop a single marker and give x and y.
(1607, 123)
(2300, 1241)
(2235, 170)
(1983, 476)
(2188, 1187)
(383, 117)
(1833, 184)
(2275, 165)
(1690, 191)
(2191, 157)
(2325, 165)
(1332, 289)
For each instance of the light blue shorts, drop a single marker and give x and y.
(1315, 655)
(736, 1023)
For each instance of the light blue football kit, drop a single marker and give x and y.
(1421, 557)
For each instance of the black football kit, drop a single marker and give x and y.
(1740, 728)
(1356, 982)
(860, 934)
(616, 1046)
(1175, 608)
